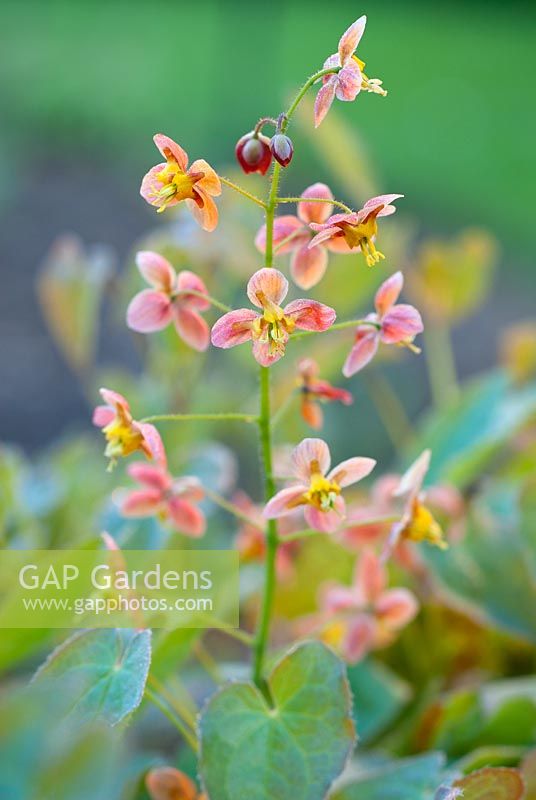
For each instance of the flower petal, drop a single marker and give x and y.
(388, 293)
(115, 399)
(166, 783)
(363, 351)
(189, 488)
(102, 416)
(192, 328)
(171, 149)
(326, 521)
(349, 82)
(309, 315)
(396, 607)
(284, 227)
(150, 186)
(266, 354)
(351, 38)
(189, 280)
(359, 638)
(284, 502)
(308, 267)
(412, 480)
(186, 517)
(267, 283)
(156, 270)
(154, 446)
(151, 475)
(149, 311)
(402, 322)
(316, 212)
(233, 328)
(324, 99)
(370, 577)
(210, 181)
(312, 413)
(352, 470)
(141, 503)
(327, 233)
(308, 452)
(206, 212)
(337, 598)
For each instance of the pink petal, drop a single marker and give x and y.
(285, 226)
(308, 267)
(316, 212)
(266, 354)
(210, 182)
(187, 518)
(351, 38)
(363, 351)
(309, 315)
(310, 451)
(322, 236)
(156, 270)
(114, 399)
(352, 470)
(349, 82)
(328, 392)
(308, 368)
(284, 502)
(324, 99)
(337, 598)
(384, 200)
(189, 488)
(388, 293)
(149, 311)
(396, 607)
(359, 638)
(151, 475)
(189, 280)
(102, 416)
(370, 577)
(402, 322)
(141, 503)
(153, 443)
(412, 480)
(192, 328)
(326, 521)
(150, 186)
(205, 214)
(268, 283)
(171, 149)
(233, 328)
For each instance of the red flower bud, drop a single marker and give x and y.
(282, 149)
(253, 153)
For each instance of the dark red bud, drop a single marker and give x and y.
(253, 153)
(282, 149)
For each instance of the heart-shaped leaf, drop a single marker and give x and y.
(406, 779)
(293, 750)
(492, 783)
(103, 670)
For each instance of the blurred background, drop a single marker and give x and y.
(85, 84)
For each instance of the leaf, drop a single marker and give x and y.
(292, 751)
(379, 696)
(407, 779)
(104, 671)
(492, 783)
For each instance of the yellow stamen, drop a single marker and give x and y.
(273, 326)
(322, 492)
(424, 527)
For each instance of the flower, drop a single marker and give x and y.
(357, 230)
(417, 523)
(169, 300)
(350, 79)
(123, 434)
(317, 489)
(168, 783)
(292, 234)
(313, 390)
(371, 615)
(170, 183)
(253, 152)
(282, 149)
(390, 324)
(170, 499)
(270, 331)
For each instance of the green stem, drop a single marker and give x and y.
(339, 326)
(207, 297)
(187, 734)
(243, 192)
(224, 416)
(441, 364)
(232, 508)
(263, 631)
(303, 91)
(315, 200)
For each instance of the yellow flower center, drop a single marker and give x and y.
(423, 527)
(273, 326)
(122, 438)
(322, 492)
(373, 85)
(333, 634)
(176, 184)
(361, 236)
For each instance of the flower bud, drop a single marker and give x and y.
(253, 153)
(282, 149)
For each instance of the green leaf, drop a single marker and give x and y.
(104, 671)
(492, 783)
(406, 779)
(293, 751)
(379, 696)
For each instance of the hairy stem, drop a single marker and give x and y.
(187, 734)
(208, 298)
(232, 508)
(337, 203)
(243, 192)
(223, 416)
(339, 326)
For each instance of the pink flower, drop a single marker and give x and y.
(314, 390)
(169, 300)
(171, 499)
(370, 614)
(171, 182)
(293, 235)
(390, 324)
(123, 434)
(348, 81)
(318, 489)
(270, 331)
(357, 230)
(251, 538)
